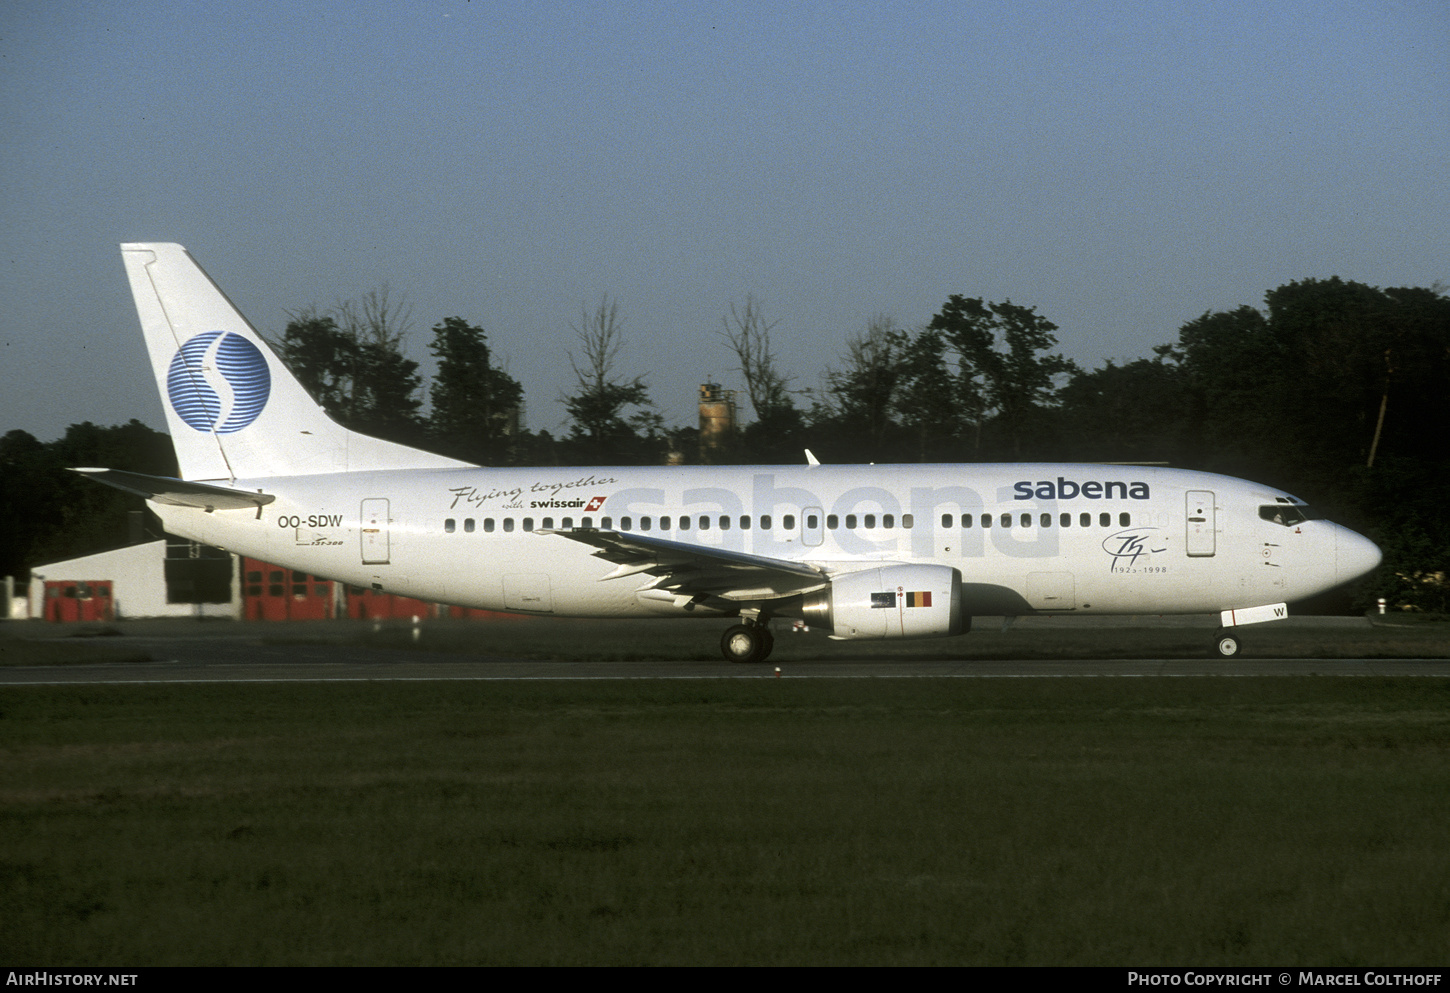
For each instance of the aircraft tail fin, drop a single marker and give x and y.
(234, 410)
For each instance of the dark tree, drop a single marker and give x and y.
(475, 405)
(323, 358)
(1001, 366)
(928, 401)
(856, 410)
(776, 434)
(601, 432)
(1126, 413)
(351, 360)
(54, 514)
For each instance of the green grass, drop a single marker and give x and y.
(1198, 821)
(32, 644)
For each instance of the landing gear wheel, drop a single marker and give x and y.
(1227, 645)
(746, 643)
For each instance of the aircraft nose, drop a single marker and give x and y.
(1354, 555)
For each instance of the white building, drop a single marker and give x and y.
(156, 579)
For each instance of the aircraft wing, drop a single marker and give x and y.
(179, 492)
(692, 570)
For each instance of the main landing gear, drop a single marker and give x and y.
(749, 642)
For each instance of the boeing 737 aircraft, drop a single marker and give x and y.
(903, 551)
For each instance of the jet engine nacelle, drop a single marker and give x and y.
(898, 601)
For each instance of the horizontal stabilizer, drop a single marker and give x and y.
(178, 492)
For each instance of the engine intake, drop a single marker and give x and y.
(899, 601)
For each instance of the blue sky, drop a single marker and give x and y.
(1121, 168)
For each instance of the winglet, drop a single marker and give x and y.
(811, 458)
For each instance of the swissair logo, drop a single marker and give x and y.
(594, 505)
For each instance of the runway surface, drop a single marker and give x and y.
(241, 659)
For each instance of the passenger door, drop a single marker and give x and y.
(1202, 530)
(376, 548)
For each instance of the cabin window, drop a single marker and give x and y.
(606, 522)
(468, 525)
(1026, 520)
(1124, 520)
(788, 522)
(946, 521)
(626, 524)
(1047, 520)
(765, 522)
(644, 523)
(548, 524)
(587, 522)
(986, 520)
(568, 522)
(907, 521)
(851, 522)
(664, 523)
(528, 523)
(1105, 520)
(1006, 520)
(1065, 520)
(832, 522)
(812, 522)
(888, 520)
(684, 523)
(704, 523)
(869, 522)
(724, 523)
(449, 526)
(508, 523)
(488, 524)
(745, 524)
(1085, 520)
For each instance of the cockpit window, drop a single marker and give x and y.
(1287, 514)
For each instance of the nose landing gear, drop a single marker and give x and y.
(1226, 644)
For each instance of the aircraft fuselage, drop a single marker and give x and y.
(1026, 538)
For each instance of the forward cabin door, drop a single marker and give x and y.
(375, 545)
(1202, 530)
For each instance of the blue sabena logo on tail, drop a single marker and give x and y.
(218, 382)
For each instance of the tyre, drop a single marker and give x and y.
(743, 643)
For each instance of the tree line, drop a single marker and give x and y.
(1335, 390)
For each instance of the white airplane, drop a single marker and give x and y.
(863, 552)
